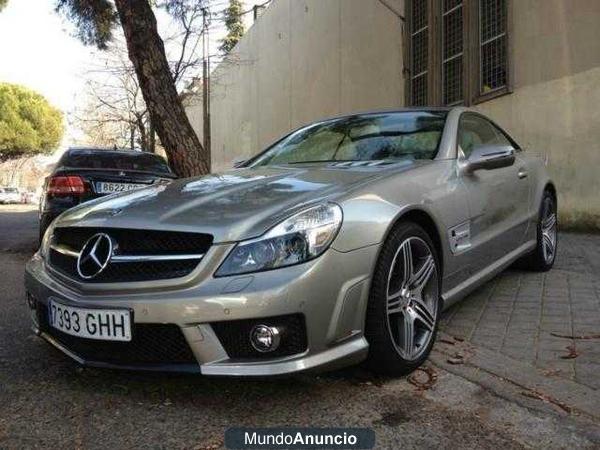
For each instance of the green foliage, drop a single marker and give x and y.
(3, 4)
(94, 19)
(234, 24)
(28, 123)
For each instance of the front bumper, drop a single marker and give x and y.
(330, 293)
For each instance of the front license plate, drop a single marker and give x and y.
(101, 324)
(110, 188)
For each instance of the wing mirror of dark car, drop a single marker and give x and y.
(237, 163)
(489, 157)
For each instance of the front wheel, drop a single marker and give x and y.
(404, 302)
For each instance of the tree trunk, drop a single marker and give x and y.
(147, 53)
(131, 136)
(141, 127)
(152, 138)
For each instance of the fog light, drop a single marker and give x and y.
(264, 338)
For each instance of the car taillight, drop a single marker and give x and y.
(70, 185)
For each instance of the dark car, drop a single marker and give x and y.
(83, 174)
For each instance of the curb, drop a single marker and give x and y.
(519, 381)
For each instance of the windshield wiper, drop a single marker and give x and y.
(324, 161)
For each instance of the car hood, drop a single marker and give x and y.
(232, 206)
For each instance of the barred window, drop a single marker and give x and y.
(492, 39)
(458, 51)
(419, 52)
(452, 52)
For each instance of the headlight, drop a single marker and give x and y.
(46, 241)
(297, 239)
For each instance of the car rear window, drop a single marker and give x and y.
(116, 161)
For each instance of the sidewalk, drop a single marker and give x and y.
(533, 317)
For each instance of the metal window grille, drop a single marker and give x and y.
(419, 52)
(452, 51)
(493, 42)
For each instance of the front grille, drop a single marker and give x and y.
(126, 272)
(235, 336)
(138, 242)
(151, 344)
(131, 243)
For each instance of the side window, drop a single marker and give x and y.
(474, 130)
(503, 139)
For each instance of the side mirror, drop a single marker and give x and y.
(237, 163)
(489, 157)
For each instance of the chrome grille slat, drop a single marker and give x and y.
(117, 258)
(141, 258)
(65, 250)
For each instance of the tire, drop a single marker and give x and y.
(393, 302)
(540, 259)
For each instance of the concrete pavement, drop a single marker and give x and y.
(550, 320)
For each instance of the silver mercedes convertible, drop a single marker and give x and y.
(343, 242)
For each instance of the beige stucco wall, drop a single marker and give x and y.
(307, 59)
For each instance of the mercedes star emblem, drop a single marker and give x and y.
(94, 256)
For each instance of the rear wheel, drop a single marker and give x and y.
(542, 258)
(404, 303)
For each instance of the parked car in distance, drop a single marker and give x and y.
(342, 242)
(34, 197)
(10, 195)
(84, 174)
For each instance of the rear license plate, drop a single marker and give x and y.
(101, 324)
(105, 187)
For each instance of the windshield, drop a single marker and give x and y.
(100, 159)
(369, 137)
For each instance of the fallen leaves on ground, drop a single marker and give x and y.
(416, 380)
(552, 372)
(457, 358)
(548, 399)
(573, 353)
(212, 444)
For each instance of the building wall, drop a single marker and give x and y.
(308, 59)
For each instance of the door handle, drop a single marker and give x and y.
(522, 173)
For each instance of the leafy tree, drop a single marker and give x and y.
(3, 4)
(28, 123)
(95, 20)
(234, 24)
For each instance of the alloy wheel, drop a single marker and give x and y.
(548, 231)
(412, 298)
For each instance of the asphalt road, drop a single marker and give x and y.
(47, 401)
(18, 229)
